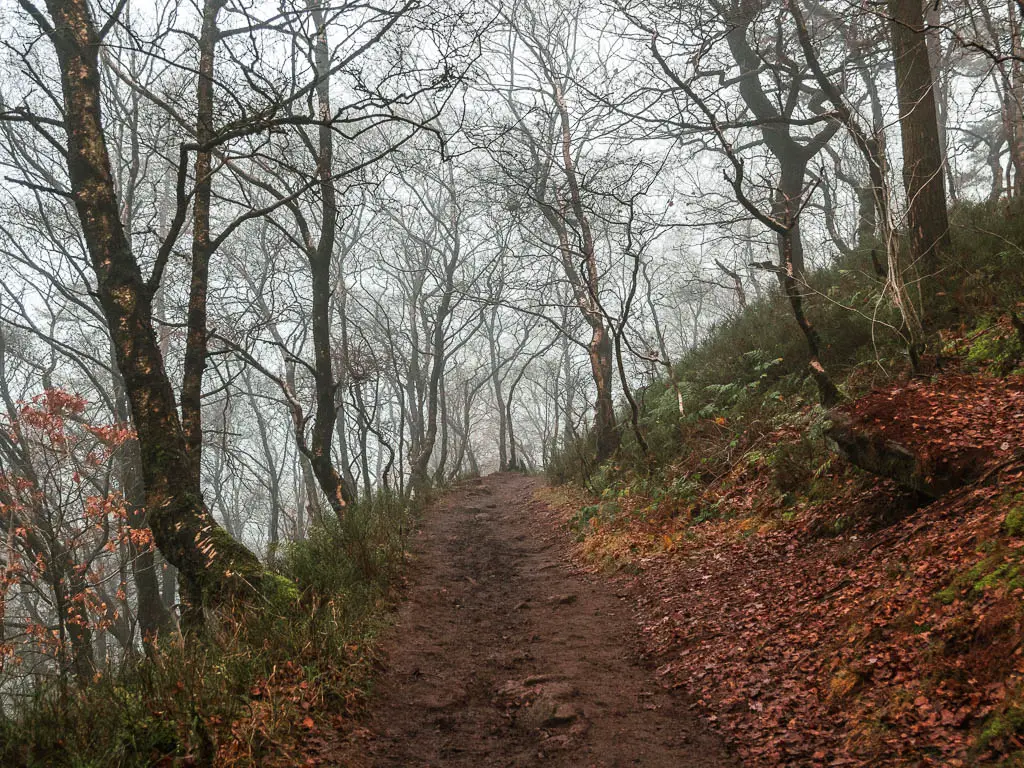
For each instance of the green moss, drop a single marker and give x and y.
(1007, 573)
(996, 349)
(1000, 725)
(975, 580)
(233, 571)
(279, 591)
(999, 568)
(981, 569)
(1013, 523)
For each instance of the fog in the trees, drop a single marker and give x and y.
(262, 261)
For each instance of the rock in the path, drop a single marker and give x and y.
(563, 714)
(509, 659)
(546, 712)
(540, 701)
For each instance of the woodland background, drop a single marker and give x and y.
(273, 272)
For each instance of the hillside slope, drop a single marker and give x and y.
(846, 621)
(821, 613)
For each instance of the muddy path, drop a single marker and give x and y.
(504, 655)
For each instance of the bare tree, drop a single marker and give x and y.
(213, 566)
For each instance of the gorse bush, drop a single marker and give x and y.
(242, 696)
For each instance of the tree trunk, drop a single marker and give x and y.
(168, 583)
(153, 615)
(426, 447)
(1014, 98)
(437, 343)
(927, 219)
(827, 392)
(344, 376)
(599, 350)
(363, 424)
(634, 407)
(499, 398)
(941, 85)
(196, 338)
(154, 618)
(570, 392)
(867, 223)
(786, 207)
(273, 480)
(513, 458)
(606, 432)
(69, 590)
(442, 456)
(339, 495)
(463, 428)
(213, 566)
(995, 164)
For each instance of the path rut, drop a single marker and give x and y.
(503, 654)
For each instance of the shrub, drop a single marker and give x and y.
(236, 699)
(986, 268)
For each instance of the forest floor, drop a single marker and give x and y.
(506, 654)
(846, 622)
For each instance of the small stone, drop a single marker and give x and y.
(562, 715)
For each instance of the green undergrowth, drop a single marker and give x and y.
(255, 686)
(1001, 563)
(1013, 523)
(742, 401)
(993, 347)
(986, 272)
(747, 379)
(999, 569)
(748, 453)
(1003, 725)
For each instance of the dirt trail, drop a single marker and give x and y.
(504, 655)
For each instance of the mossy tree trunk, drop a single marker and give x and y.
(213, 567)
